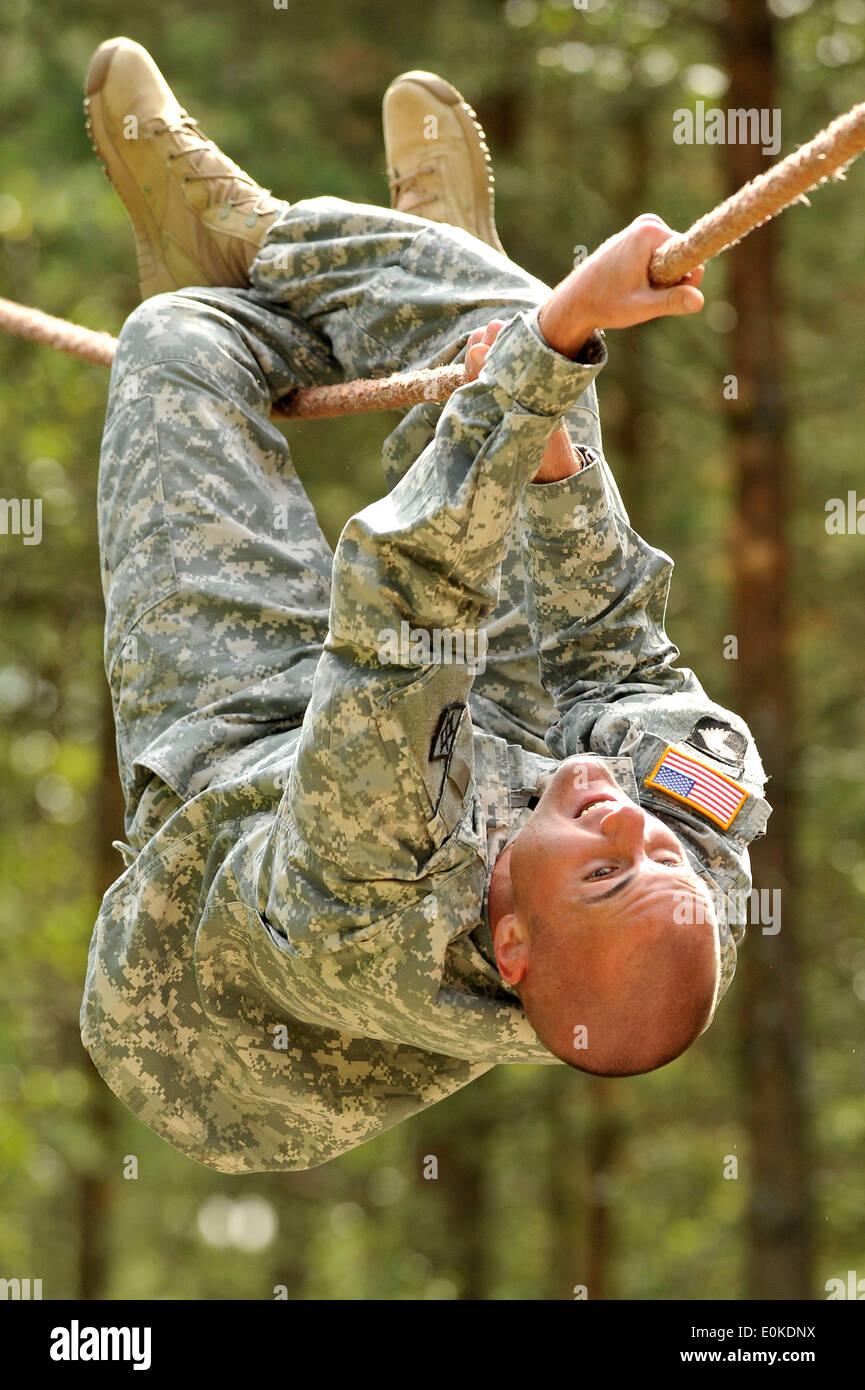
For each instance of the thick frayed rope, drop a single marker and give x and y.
(829, 153)
(314, 402)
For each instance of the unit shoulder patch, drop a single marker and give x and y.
(446, 732)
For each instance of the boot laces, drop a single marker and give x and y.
(196, 142)
(402, 184)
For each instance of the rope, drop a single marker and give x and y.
(37, 327)
(764, 197)
(381, 393)
(828, 154)
(315, 402)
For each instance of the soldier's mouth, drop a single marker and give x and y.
(590, 803)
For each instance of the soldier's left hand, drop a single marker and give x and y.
(478, 345)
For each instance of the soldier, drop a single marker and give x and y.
(438, 801)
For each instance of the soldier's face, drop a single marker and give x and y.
(607, 933)
(588, 849)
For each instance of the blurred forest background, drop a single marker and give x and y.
(546, 1180)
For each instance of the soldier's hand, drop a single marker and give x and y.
(478, 345)
(612, 290)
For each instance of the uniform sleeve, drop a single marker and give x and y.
(596, 600)
(385, 756)
(597, 597)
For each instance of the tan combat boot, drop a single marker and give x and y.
(198, 218)
(438, 161)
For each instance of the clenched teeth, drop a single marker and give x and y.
(598, 800)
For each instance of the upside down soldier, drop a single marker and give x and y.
(355, 882)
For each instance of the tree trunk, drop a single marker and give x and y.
(636, 480)
(95, 1187)
(565, 1195)
(779, 1264)
(604, 1144)
(462, 1166)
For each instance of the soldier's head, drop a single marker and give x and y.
(604, 930)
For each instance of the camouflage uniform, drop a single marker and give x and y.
(298, 954)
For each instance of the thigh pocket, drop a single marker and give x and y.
(131, 498)
(144, 578)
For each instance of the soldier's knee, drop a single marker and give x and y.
(170, 326)
(155, 316)
(145, 331)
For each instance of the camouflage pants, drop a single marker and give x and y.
(215, 571)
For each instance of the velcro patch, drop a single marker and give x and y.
(721, 741)
(696, 785)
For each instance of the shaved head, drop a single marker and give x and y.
(621, 998)
(604, 930)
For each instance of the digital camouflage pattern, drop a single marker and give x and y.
(298, 955)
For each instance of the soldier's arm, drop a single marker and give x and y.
(385, 756)
(596, 601)
(596, 597)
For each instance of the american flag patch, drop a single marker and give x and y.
(697, 785)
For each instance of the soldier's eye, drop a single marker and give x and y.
(599, 873)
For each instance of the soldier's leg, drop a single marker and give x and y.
(390, 290)
(215, 571)
(393, 291)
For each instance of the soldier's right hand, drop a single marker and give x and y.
(612, 289)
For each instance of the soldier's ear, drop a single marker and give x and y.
(512, 948)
